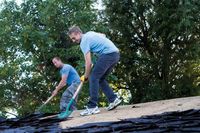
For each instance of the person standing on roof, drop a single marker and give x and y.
(70, 77)
(108, 57)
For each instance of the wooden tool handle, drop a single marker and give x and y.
(78, 89)
(49, 99)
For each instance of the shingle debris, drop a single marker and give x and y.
(176, 122)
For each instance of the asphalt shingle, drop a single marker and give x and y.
(176, 122)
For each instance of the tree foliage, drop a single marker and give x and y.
(31, 35)
(159, 43)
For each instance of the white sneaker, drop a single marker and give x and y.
(90, 111)
(114, 104)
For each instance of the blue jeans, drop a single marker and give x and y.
(102, 68)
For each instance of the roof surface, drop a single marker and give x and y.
(175, 115)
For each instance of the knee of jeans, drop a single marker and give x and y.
(94, 77)
(93, 80)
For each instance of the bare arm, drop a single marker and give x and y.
(88, 64)
(61, 84)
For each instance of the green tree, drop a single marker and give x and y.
(31, 35)
(158, 41)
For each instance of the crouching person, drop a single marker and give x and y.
(70, 77)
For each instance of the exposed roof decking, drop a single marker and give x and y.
(134, 111)
(124, 118)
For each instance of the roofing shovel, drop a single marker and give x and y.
(68, 111)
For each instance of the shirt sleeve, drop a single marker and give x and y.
(65, 71)
(85, 46)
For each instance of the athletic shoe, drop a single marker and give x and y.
(114, 104)
(90, 111)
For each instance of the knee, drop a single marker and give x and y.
(65, 96)
(94, 77)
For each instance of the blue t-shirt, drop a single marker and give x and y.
(72, 75)
(97, 43)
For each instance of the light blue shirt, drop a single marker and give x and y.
(71, 73)
(97, 43)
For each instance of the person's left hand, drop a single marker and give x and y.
(83, 78)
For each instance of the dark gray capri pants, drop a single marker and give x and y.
(67, 96)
